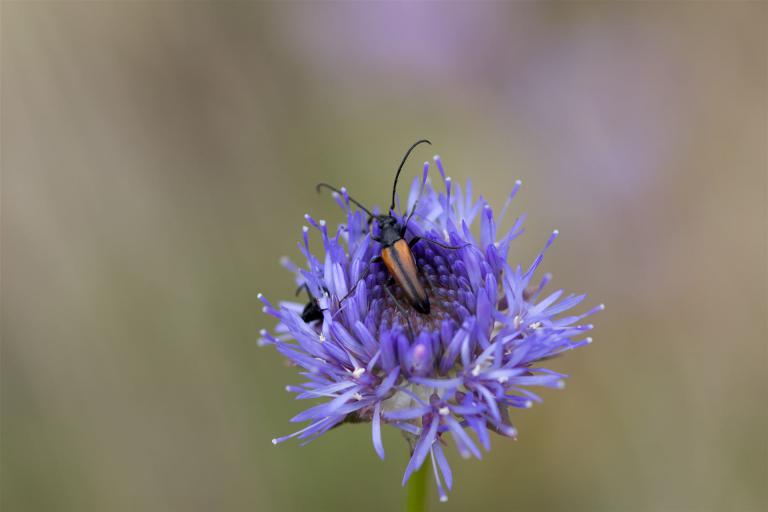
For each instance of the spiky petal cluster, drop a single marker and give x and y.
(454, 372)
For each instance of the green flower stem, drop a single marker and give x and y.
(417, 489)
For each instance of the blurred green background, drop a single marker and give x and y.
(157, 160)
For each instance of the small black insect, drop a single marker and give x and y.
(396, 253)
(312, 311)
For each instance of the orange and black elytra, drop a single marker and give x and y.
(401, 265)
(395, 251)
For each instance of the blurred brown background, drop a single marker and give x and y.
(157, 160)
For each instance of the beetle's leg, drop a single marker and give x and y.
(367, 271)
(377, 259)
(427, 278)
(350, 292)
(399, 306)
(416, 240)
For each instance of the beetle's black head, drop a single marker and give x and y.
(387, 222)
(390, 230)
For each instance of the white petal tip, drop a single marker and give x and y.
(601, 307)
(556, 232)
(443, 499)
(560, 384)
(305, 229)
(274, 442)
(519, 182)
(589, 341)
(259, 295)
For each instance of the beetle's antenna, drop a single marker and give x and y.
(407, 153)
(421, 190)
(303, 287)
(321, 186)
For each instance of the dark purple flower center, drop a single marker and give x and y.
(447, 293)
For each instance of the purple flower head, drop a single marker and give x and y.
(452, 374)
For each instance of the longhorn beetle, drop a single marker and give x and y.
(395, 251)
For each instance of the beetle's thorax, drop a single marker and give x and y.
(389, 230)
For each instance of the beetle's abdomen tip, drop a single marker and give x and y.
(422, 306)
